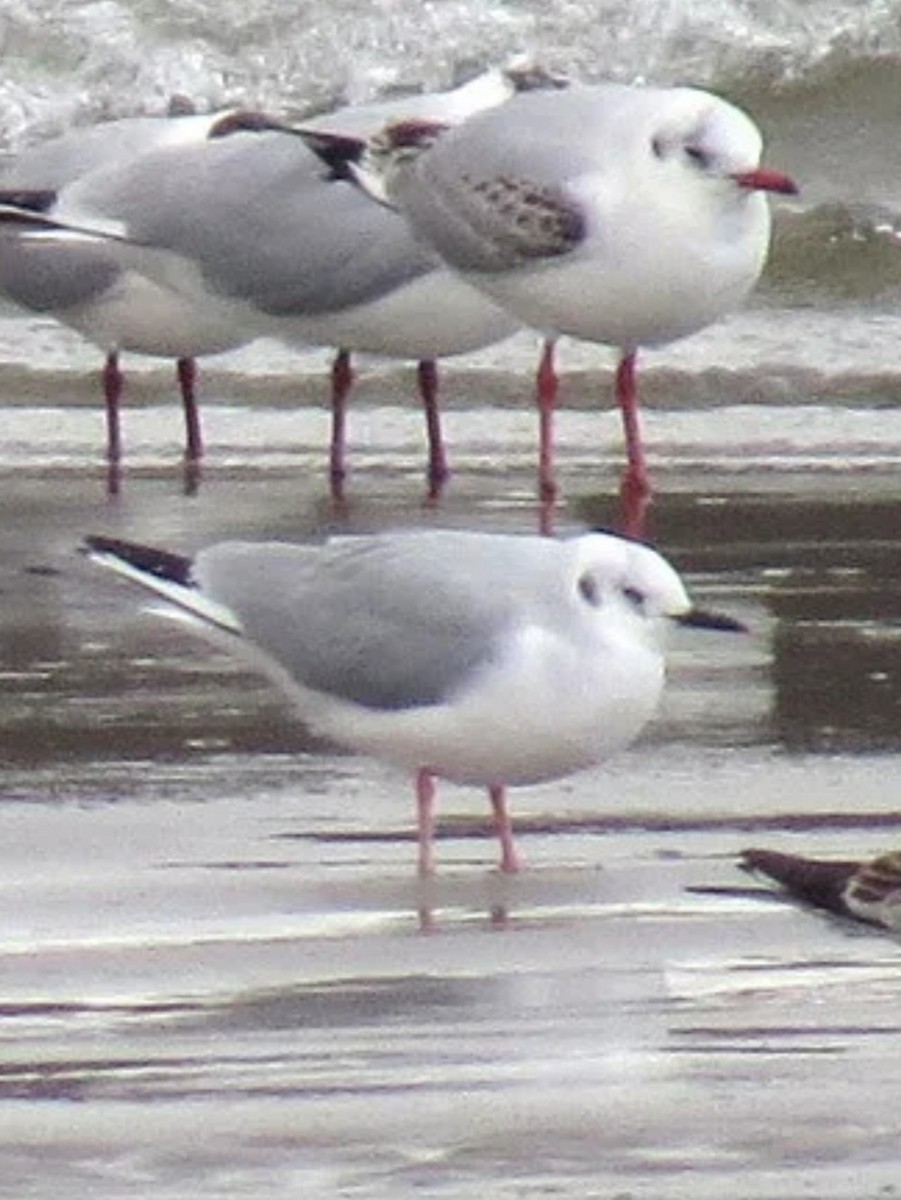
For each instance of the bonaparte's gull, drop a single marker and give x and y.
(485, 659)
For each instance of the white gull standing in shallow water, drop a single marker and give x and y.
(427, 316)
(618, 214)
(81, 281)
(244, 230)
(485, 659)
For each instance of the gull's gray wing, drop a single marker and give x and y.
(48, 276)
(255, 214)
(387, 622)
(60, 160)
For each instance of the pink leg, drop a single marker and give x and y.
(186, 370)
(510, 860)
(342, 382)
(425, 806)
(635, 491)
(438, 471)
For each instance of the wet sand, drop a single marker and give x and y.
(214, 979)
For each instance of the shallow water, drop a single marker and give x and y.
(220, 976)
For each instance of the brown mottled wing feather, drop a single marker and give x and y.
(528, 221)
(874, 884)
(500, 221)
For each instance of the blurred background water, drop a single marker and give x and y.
(822, 79)
(212, 981)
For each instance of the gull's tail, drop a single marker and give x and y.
(169, 576)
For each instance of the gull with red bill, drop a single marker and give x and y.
(619, 214)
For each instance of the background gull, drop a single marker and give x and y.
(80, 280)
(240, 234)
(626, 215)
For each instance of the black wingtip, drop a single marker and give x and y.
(338, 151)
(29, 200)
(161, 563)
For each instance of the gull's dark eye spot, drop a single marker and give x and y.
(589, 590)
(635, 597)
(698, 156)
(658, 148)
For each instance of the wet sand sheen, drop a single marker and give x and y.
(213, 979)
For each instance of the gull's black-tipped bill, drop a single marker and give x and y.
(705, 618)
(695, 618)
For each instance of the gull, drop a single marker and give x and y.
(868, 891)
(484, 659)
(620, 214)
(80, 279)
(444, 305)
(245, 230)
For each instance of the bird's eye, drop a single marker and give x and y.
(658, 147)
(635, 597)
(589, 590)
(698, 156)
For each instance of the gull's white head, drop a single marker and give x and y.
(707, 138)
(619, 574)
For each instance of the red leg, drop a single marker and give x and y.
(186, 370)
(425, 807)
(509, 858)
(438, 471)
(547, 405)
(635, 490)
(342, 382)
(113, 382)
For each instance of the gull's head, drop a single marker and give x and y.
(707, 139)
(628, 578)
